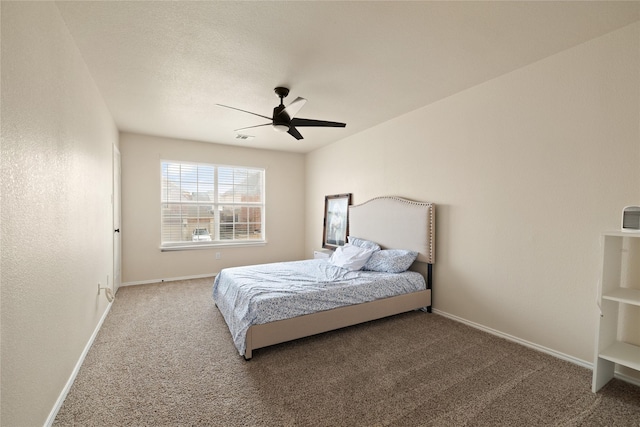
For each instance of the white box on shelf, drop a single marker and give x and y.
(631, 219)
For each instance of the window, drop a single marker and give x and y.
(205, 204)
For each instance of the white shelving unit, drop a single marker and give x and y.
(619, 291)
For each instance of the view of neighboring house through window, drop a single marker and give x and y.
(211, 204)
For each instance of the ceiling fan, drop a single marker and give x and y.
(284, 119)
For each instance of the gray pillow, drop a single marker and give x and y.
(391, 260)
(362, 243)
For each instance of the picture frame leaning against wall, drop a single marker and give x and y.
(336, 224)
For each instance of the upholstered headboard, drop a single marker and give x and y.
(396, 223)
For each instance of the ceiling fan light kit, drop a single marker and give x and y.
(284, 120)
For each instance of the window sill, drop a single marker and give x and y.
(214, 245)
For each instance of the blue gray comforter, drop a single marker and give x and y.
(265, 293)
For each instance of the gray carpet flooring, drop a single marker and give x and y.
(164, 357)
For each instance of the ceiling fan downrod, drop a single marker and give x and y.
(282, 93)
(281, 119)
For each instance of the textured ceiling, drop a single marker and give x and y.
(162, 66)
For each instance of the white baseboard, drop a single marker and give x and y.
(76, 369)
(525, 343)
(170, 279)
(627, 378)
(559, 355)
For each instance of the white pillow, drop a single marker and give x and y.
(350, 257)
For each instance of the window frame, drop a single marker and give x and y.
(216, 205)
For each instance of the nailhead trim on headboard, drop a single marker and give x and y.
(430, 218)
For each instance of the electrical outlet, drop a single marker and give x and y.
(217, 255)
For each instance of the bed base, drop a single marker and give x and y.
(280, 331)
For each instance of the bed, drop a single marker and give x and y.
(273, 303)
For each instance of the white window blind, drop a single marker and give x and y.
(205, 204)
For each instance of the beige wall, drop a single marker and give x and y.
(142, 259)
(57, 139)
(526, 170)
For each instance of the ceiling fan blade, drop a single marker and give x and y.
(293, 108)
(320, 123)
(244, 111)
(250, 127)
(294, 133)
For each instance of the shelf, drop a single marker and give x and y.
(621, 233)
(625, 295)
(620, 257)
(622, 354)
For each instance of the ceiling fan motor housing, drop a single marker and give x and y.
(280, 117)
